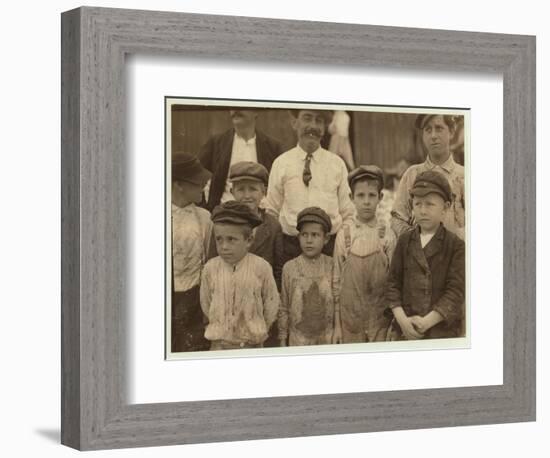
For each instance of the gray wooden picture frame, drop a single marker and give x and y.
(95, 412)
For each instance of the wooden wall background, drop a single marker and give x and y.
(377, 138)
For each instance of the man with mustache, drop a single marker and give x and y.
(243, 142)
(437, 132)
(308, 176)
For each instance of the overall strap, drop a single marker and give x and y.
(347, 239)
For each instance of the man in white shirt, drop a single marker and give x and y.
(308, 176)
(241, 143)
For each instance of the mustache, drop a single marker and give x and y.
(312, 131)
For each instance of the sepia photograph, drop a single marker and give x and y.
(299, 226)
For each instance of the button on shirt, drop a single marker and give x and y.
(402, 218)
(191, 233)
(328, 189)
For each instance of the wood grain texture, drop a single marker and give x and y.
(70, 229)
(95, 413)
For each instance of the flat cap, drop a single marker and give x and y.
(431, 182)
(186, 167)
(233, 212)
(314, 215)
(248, 170)
(366, 171)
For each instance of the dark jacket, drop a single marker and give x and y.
(268, 244)
(430, 278)
(215, 156)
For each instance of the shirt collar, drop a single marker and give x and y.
(250, 141)
(303, 153)
(448, 165)
(186, 209)
(439, 234)
(235, 267)
(358, 223)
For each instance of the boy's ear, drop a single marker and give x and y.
(327, 238)
(447, 205)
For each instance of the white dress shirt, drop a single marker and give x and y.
(328, 189)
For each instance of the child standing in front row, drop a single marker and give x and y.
(306, 316)
(425, 288)
(362, 254)
(238, 292)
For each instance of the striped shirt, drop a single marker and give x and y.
(241, 301)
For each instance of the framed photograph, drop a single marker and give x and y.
(375, 146)
(144, 94)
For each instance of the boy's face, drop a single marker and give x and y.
(429, 211)
(248, 192)
(366, 199)
(312, 239)
(231, 242)
(188, 192)
(437, 138)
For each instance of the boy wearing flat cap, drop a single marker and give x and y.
(248, 185)
(437, 132)
(426, 284)
(238, 292)
(306, 316)
(362, 254)
(191, 233)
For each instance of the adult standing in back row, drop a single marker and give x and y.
(243, 142)
(437, 132)
(308, 176)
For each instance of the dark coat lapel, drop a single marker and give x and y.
(415, 249)
(222, 160)
(435, 245)
(262, 149)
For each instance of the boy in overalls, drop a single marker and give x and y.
(362, 254)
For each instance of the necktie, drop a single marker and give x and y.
(306, 176)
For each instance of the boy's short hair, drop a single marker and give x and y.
(431, 181)
(314, 215)
(245, 229)
(365, 173)
(233, 212)
(422, 119)
(248, 170)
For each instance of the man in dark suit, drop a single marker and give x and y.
(241, 143)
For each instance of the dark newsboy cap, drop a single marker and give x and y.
(248, 170)
(314, 215)
(432, 182)
(186, 167)
(366, 171)
(233, 212)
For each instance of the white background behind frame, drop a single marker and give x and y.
(150, 79)
(31, 397)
